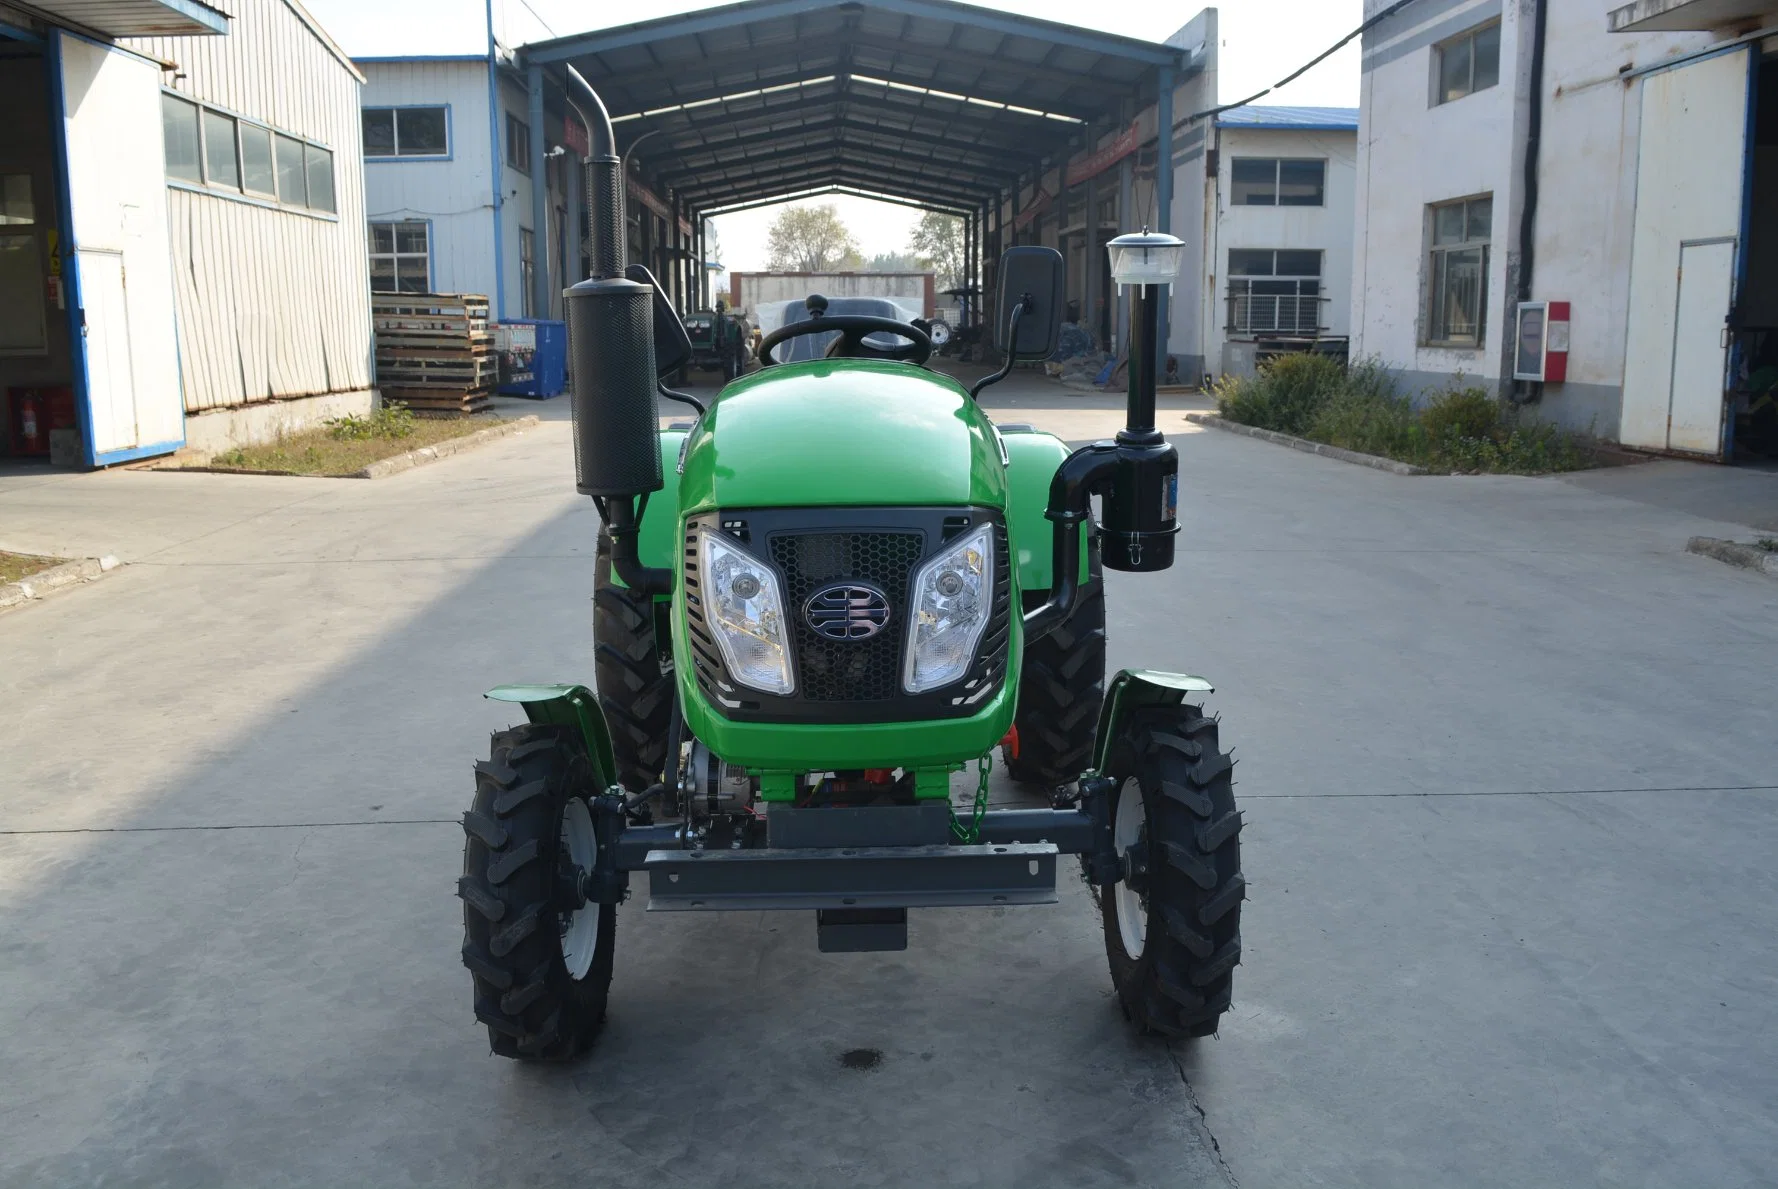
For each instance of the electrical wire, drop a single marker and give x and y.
(1335, 48)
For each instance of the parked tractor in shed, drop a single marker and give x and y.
(837, 587)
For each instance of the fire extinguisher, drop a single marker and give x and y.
(30, 436)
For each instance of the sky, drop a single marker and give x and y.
(1262, 41)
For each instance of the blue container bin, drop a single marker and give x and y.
(533, 357)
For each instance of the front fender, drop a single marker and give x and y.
(1133, 689)
(568, 706)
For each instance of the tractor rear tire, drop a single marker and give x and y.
(636, 696)
(1173, 924)
(1061, 686)
(541, 966)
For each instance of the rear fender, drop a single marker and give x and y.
(1132, 690)
(572, 706)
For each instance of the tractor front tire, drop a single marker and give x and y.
(1061, 686)
(1173, 923)
(540, 955)
(636, 696)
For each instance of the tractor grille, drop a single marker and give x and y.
(848, 670)
(850, 680)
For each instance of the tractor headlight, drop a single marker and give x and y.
(952, 597)
(745, 611)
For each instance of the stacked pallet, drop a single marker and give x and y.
(435, 353)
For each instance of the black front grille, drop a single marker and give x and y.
(847, 670)
(851, 680)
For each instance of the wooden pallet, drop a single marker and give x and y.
(435, 351)
(441, 402)
(429, 311)
(437, 371)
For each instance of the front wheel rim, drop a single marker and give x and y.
(579, 926)
(1127, 834)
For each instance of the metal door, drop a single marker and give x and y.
(1691, 181)
(1700, 348)
(119, 251)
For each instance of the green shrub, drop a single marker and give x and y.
(1285, 396)
(1461, 413)
(392, 420)
(1371, 422)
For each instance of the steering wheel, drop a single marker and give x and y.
(853, 328)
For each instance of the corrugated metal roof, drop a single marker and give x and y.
(137, 18)
(1258, 116)
(929, 100)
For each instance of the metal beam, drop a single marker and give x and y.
(564, 49)
(966, 193)
(1071, 36)
(690, 180)
(692, 158)
(1163, 186)
(827, 173)
(833, 188)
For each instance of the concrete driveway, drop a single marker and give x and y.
(1508, 767)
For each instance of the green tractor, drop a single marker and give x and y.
(837, 587)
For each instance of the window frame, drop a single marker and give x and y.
(394, 110)
(1468, 36)
(1437, 258)
(21, 234)
(197, 128)
(527, 270)
(395, 255)
(518, 144)
(1244, 326)
(238, 190)
(1278, 164)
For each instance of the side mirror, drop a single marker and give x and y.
(1038, 277)
(672, 346)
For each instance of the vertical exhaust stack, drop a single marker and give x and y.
(610, 337)
(1140, 511)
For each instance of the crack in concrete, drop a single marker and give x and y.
(1191, 1096)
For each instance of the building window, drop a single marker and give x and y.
(1459, 271)
(527, 268)
(1273, 181)
(406, 132)
(1468, 64)
(212, 148)
(258, 174)
(179, 133)
(22, 330)
(1274, 292)
(518, 144)
(222, 156)
(400, 258)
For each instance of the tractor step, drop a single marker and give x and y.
(851, 877)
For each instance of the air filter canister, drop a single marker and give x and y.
(611, 358)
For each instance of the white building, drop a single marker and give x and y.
(449, 187)
(1654, 212)
(1278, 262)
(182, 237)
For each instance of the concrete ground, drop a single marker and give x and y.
(1507, 763)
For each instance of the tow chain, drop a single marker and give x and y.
(971, 834)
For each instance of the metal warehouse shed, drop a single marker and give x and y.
(182, 257)
(930, 103)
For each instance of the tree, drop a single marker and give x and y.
(938, 244)
(894, 262)
(809, 239)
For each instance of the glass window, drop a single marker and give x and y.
(319, 163)
(1271, 181)
(420, 132)
(1274, 292)
(222, 164)
(1255, 181)
(1468, 64)
(22, 330)
(1301, 183)
(257, 171)
(179, 133)
(16, 206)
(400, 261)
(527, 267)
(518, 144)
(379, 132)
(292, 186)
(1458, 271)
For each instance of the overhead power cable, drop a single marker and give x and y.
(1329, 52)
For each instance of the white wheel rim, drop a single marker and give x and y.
(580, 928)
(1126, 830)
(940, 334)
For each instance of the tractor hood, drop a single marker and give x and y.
(842, 431)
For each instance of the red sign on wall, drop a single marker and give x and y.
(1098, 162)
(648, 198)
(575, 137)
(1040, 202)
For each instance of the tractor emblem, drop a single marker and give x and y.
(847, 612)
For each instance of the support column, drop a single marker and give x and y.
(1126, 203)
(572, 180)
(1093, 260)
(1163, 182)
(540, 250)
(701, 284)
